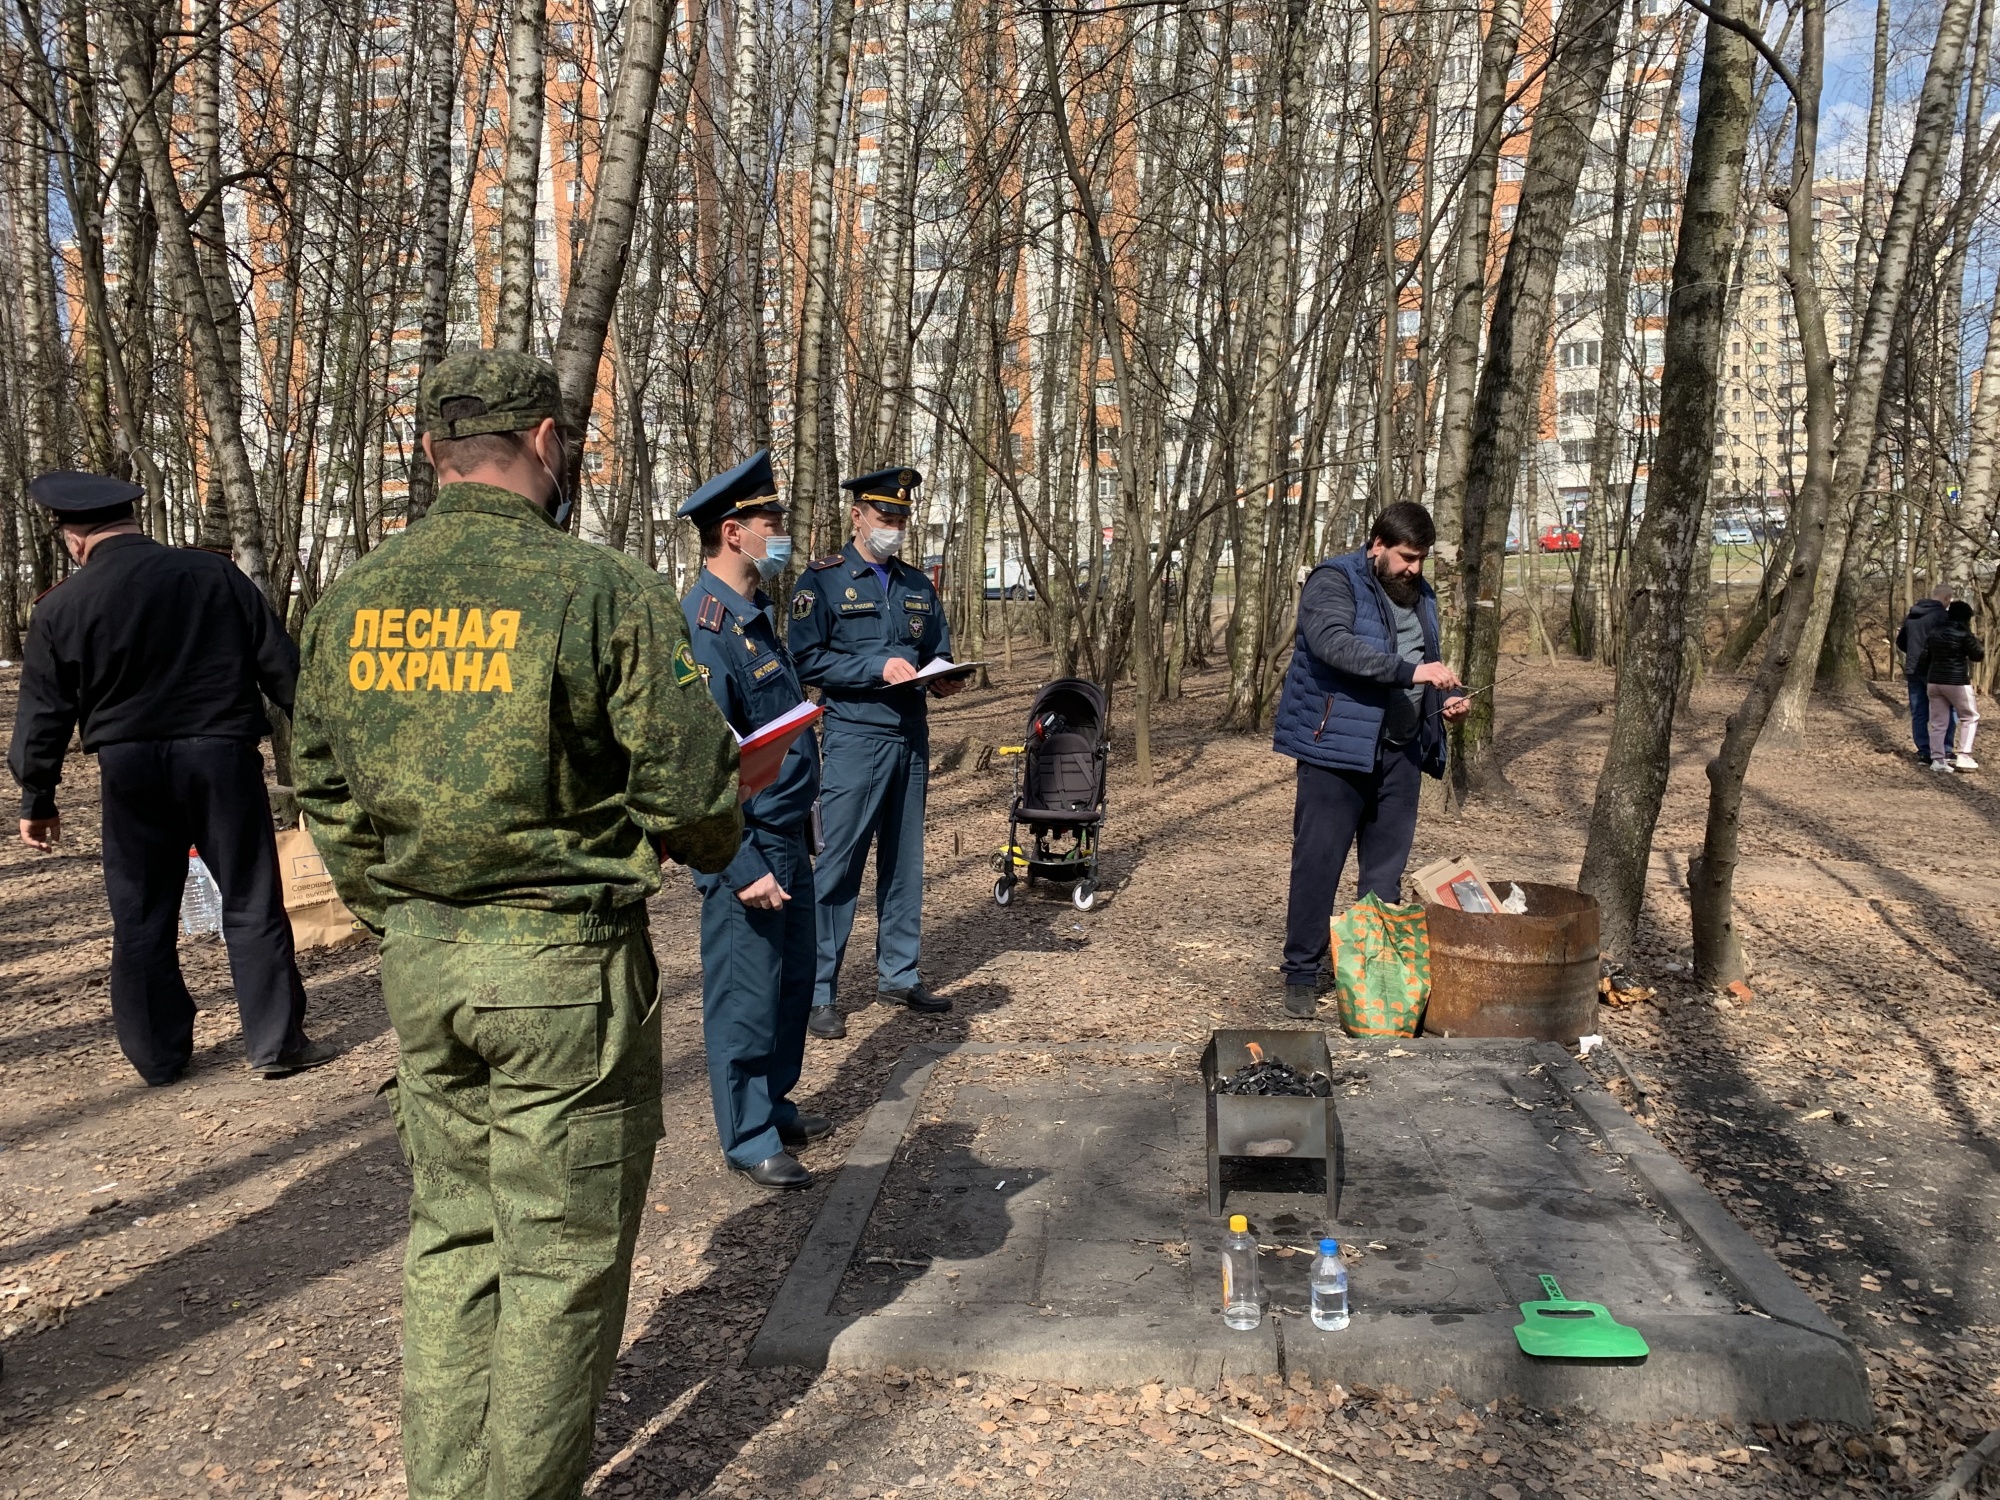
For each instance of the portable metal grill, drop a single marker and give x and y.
(1270, 1129)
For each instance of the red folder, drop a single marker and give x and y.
(762, 755)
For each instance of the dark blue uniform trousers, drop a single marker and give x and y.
(1335, 811)
(159, 798)
(756, 984)
(871, 794)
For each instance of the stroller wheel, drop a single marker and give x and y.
(1003, 892)
(1084, 895)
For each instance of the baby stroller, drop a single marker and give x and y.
(1058, 793)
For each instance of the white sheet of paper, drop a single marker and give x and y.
(940, 667)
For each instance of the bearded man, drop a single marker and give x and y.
(1363, 713)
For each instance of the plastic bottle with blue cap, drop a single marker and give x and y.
(1329, 1287)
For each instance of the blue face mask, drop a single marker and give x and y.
(777, 557)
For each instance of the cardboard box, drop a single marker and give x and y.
(1456, 883)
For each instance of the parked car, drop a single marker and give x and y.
(1732, 534)
(1016, 587)
(1559, 539)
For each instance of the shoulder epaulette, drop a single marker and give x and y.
(50, 590)
(711, 614)
(827, 562)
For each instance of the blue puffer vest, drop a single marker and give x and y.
(1327, 718)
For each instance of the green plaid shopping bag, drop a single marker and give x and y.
(1381, 967)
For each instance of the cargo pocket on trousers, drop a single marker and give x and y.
(596, 1156)
(391, 1090)
(540, 1019)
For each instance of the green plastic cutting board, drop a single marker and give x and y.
(1558, 1328)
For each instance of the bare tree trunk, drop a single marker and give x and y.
(1590, 606)
(1517, 353)
(1976, 504)
(810, 443)
(1634, 775)
(1460, 359)
(1929, 142)
(436, 222)
(1718, 953)
(217, 391)
(597, 273)
(526, 100)
(1265, 472)
(747, 134)
(1111, 320)
(887, 340)
(211, 236)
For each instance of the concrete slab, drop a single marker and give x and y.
(1041, 1211)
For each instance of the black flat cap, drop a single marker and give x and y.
(84, 498)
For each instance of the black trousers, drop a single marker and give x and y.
(160, 798)
(1335, 811)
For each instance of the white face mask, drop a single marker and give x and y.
(885, 541)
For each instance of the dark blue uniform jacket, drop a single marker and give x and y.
(753, 680)
(844, 630)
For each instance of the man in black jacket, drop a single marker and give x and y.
(160, 654)
(1924, 616)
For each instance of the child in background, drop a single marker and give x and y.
(1950, 649)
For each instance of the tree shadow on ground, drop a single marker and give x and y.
(686, 1404)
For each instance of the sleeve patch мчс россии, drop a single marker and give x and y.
(438, 650)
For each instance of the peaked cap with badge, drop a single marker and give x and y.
(488, 390)
(84, 499)
(888, 490)
(748, 488)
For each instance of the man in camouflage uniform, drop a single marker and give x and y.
(501, 732)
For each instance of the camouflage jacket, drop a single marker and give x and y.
(498, 724)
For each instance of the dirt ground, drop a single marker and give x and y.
(199, 1290)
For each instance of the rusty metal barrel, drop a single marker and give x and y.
(1533, 975)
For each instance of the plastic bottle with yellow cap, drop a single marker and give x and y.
(1242, 1291)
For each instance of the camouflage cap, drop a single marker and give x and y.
(488, 390)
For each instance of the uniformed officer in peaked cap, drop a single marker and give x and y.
(757, 939)
(863, 623)
(502, 732)
(160, 653)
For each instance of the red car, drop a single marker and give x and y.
(1559, 539)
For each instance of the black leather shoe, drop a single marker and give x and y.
(805, 1129)
(918, 999)
(780, 1171)
(311, 1055)
(1301, 1000)
(825, 1021)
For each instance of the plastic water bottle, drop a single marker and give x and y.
(1329, 1287)
(1242, 1300)
(201, 899)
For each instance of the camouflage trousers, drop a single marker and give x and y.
(527, 1098)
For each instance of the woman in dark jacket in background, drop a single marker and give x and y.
(1950, 649)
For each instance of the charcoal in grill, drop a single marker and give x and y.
(1276, 1078)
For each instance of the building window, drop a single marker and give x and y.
(1409, 322)
(1580, 354)
(1578, 403)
